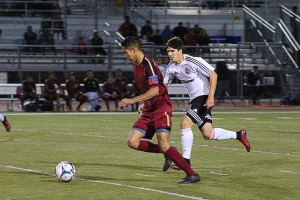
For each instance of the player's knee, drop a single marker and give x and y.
(184, 124)
(206, 135)
(133, 143)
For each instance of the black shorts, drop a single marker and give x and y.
(198, 113)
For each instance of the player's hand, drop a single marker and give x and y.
(125, 102)
(140, 109)
(210, 102)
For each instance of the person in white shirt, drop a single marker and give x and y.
(200, 79)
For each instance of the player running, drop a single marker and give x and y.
(156, 110)
(200, 79)
(5, 122)
(74, 91)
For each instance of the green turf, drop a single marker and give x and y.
(96, 145)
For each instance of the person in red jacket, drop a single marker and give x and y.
(127, 28)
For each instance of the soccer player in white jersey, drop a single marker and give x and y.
(200, 79)
(5, 122)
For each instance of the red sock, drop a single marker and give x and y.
(149, 147)
(179, 161)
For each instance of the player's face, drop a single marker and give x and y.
(72, 77)
(174, 54)
(129, 54)
(90, 74)
(52, 76)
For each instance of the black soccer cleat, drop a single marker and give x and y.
(6, 124)
(190, 179)
(167, 163)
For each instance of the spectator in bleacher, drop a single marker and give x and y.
(52, 86)
(191, 40)
(157, 39)
(159, 62)
(30, 38)
(47, 39)
(203, 40)
(73, 90)
(127, 28)
(29, 91)
(46, 23)
(196, 29)
(92, 90)
(97, 50)
(135, 92)
(122, 86)
(58, 26)
(253, 79)
(110, 93)
(166, 33)
(180, 31)
(81, 48)
(146, 30)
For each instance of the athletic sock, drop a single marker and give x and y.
(2, 118)
(187, 142)
(222, 134)
(179, 161)
(148, 147)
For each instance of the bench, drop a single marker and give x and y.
(11, 92)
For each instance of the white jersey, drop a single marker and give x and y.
(193, 72)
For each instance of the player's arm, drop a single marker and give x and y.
(213, 78)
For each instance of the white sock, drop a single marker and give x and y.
(187, 142)
(222, 134)
(1, 117)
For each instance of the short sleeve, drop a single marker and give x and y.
(168, 77)
(152, 73)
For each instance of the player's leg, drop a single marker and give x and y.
(23, 98)
(57, 99)
(171, 152)
(69, 106)
(5, 122)
(186, 137)
(82, 99)
(106, 98)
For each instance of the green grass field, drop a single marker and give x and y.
(108, 169)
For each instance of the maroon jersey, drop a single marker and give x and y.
(50, 84)
(72, 87)
(121, 84)
(109, 88)
(147, 75)
(28, 86)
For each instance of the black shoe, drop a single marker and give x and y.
(190, 179)
(97, 108)
(167, 163)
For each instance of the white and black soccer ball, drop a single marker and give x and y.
(65, 171)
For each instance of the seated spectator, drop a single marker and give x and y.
(92, 90)
(97, 42)
(74, 92)
(196, 29)
(29, 91)
(110, 93)
(166, 33)
(190, 40)
(203, 40)
(47, 39)
(157, 39)
(81, 48)
(52, 85)
(45, 23)
(58, 26)
(253, 79)
(146, 30)
(30, 38)
(122, 86)
(127, 28)
(180, 31)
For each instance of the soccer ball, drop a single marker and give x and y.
(65, 171)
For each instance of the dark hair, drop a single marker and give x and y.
(131, 41)
(119, 70)
(72, 74)
(175, 43)
(255, 66)
(90, 70)
(28, 76)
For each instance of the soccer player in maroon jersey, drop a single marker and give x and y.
(122, 86)
(110, 92)
(29, 91)
(74, 91)
(5, 122)
(156, 110)
(50, 91)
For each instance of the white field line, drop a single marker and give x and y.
(218, 173)
(133, 113)
(143, 174)
(247, 118)
(289, 172)
(109, 183)
(202, 145)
